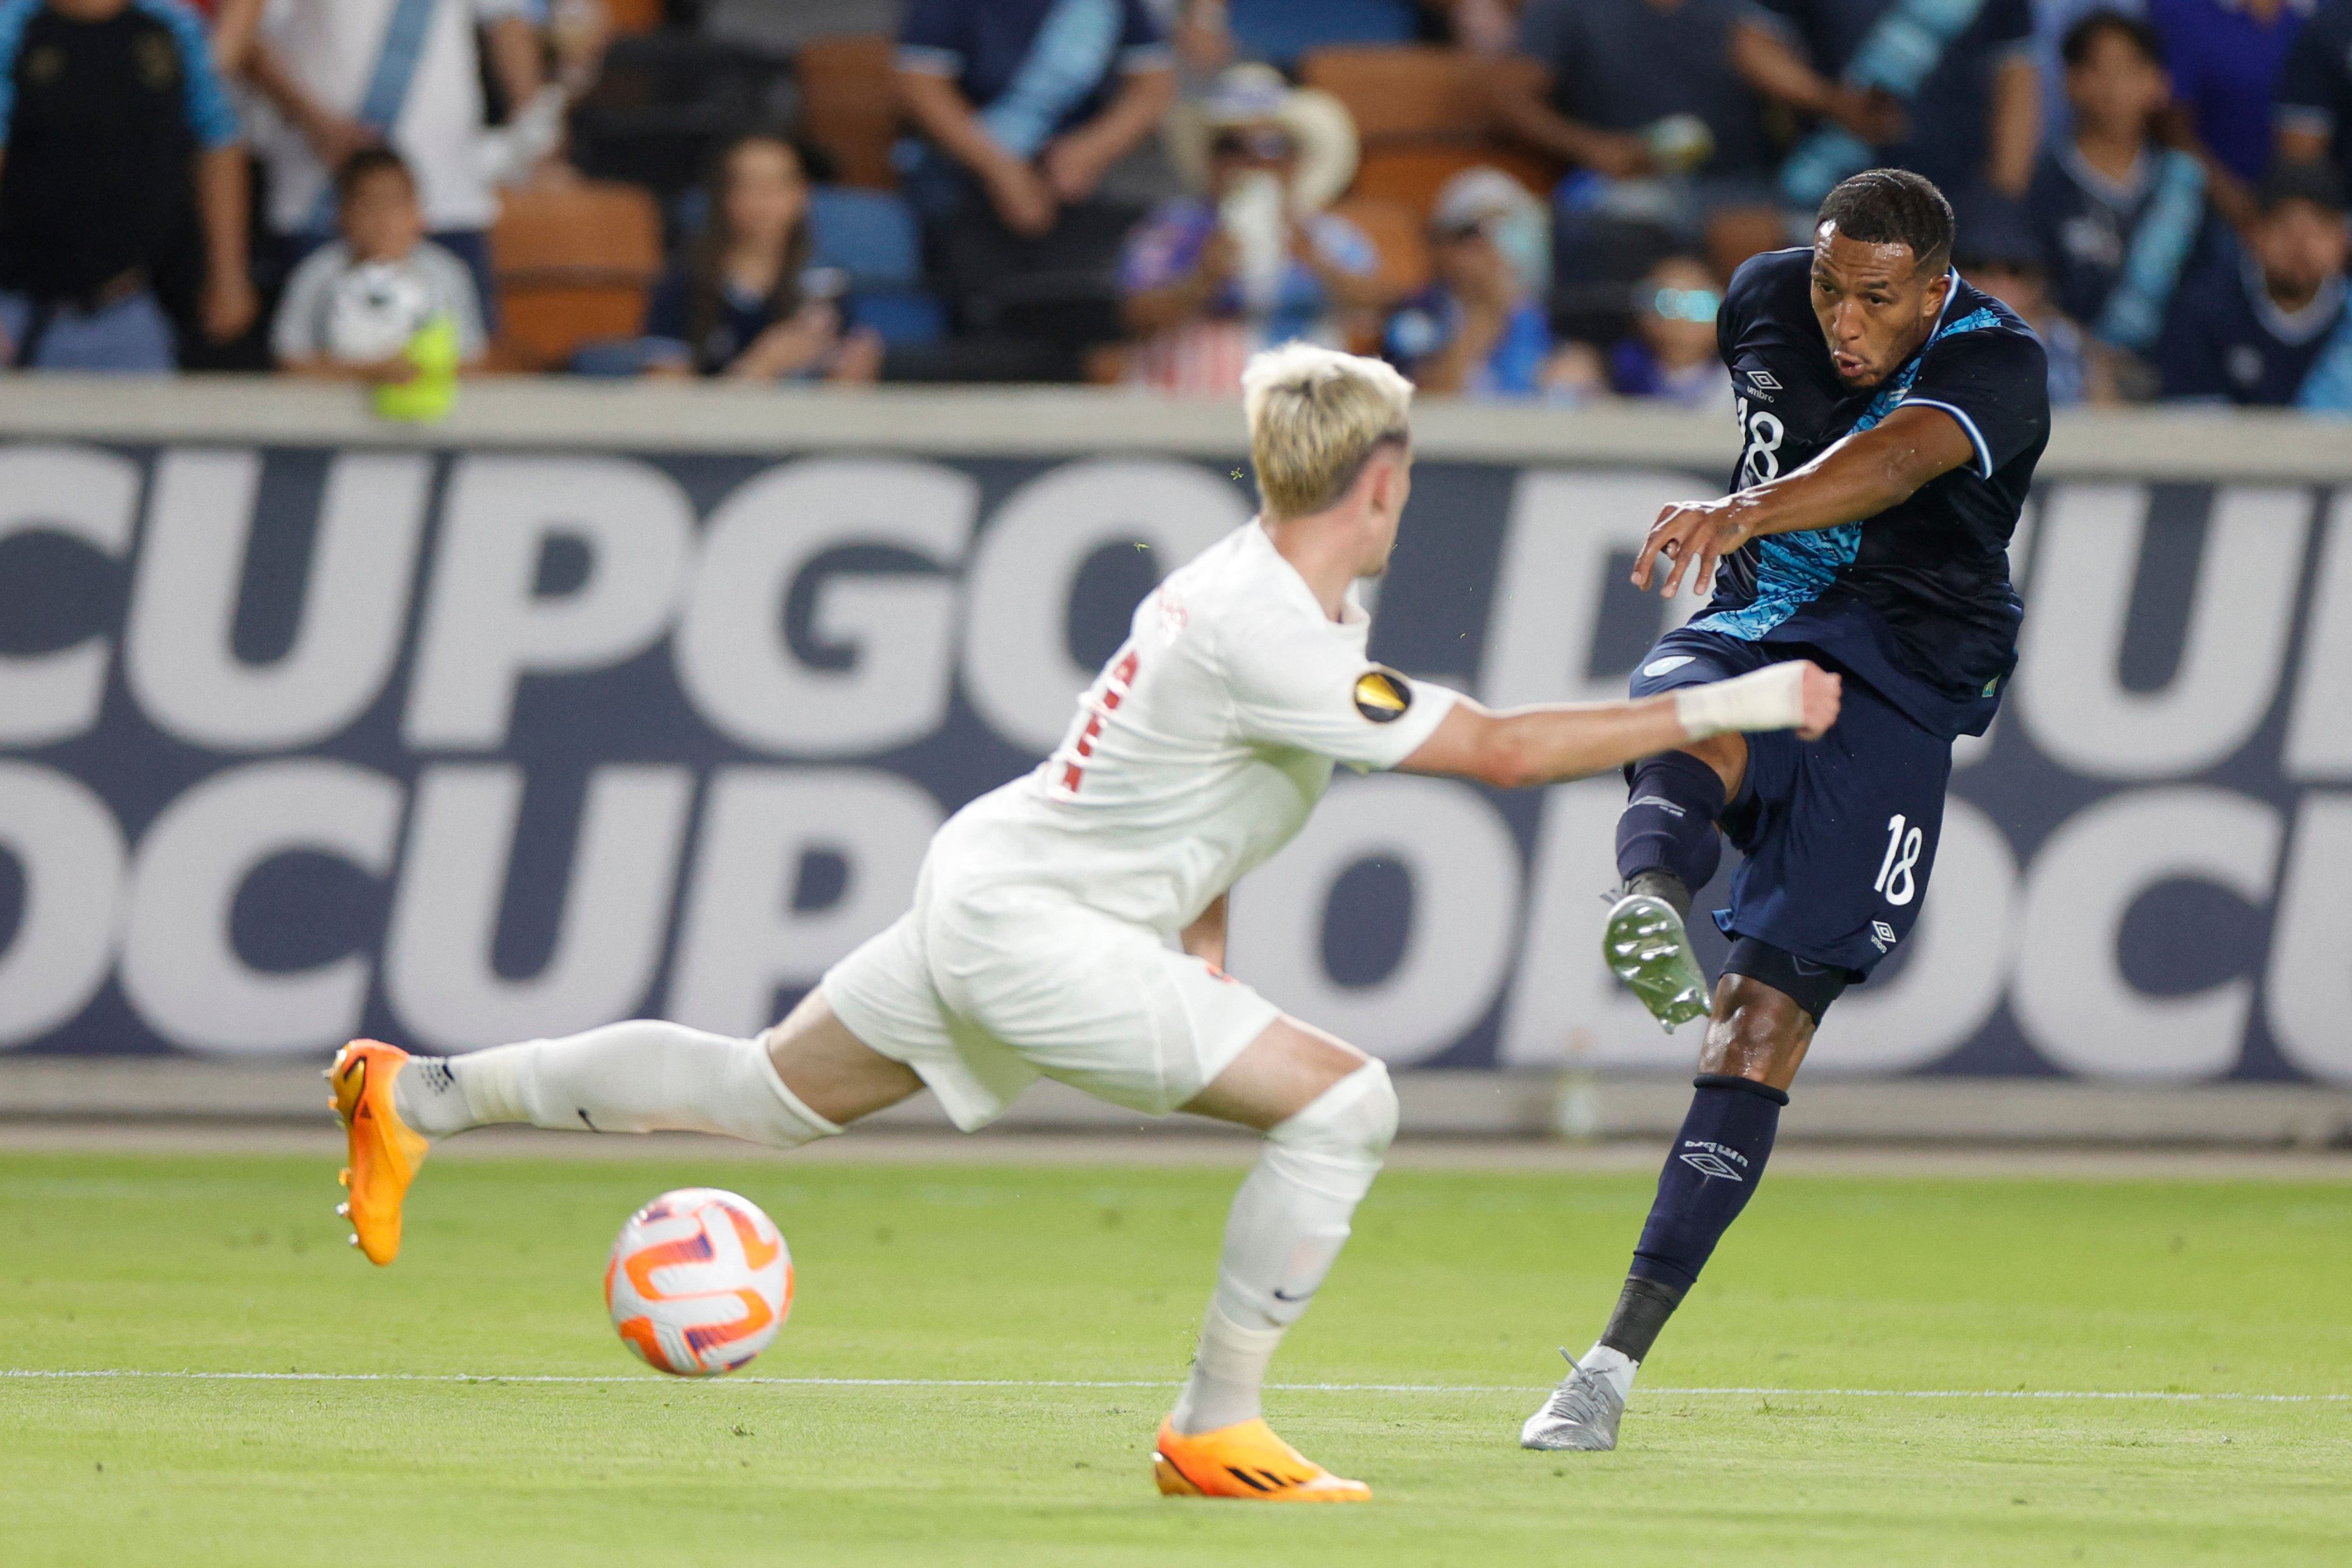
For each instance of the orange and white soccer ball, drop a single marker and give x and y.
(700, 1281)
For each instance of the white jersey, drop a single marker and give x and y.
(1200, 748)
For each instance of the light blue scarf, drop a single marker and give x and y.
(2133, 314)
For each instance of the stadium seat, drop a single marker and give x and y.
(631, 16)
(873, 237)
(573, 263)
(1423, 115)
(1399, 234)
(849, 105)
(1412, 175)
(1410, 90)
(870, 235)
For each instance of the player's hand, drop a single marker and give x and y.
(1690, 532)
(1819, 695)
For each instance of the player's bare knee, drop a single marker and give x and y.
(1757, 1033)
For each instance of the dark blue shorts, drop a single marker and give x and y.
(1839, 834)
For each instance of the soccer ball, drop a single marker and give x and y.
(698, 1282)
(374, 311)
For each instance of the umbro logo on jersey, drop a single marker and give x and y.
(1881, 935)
(1382, 695)
(1763, 381)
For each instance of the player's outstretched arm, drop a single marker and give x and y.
(1547, 743)
(1858, 477)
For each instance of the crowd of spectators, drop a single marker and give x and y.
(1149, 191)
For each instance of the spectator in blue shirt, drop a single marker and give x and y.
(1025, 105)
(2314, 114)
(1480, 327)
(2120, 218)
(2270, 327)
(1948, 88)
(115, 126)
(1642, 97)
(2225, 57)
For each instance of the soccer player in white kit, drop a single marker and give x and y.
(1072, 924)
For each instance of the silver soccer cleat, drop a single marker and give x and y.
(1648, 949)
(1580, 1416)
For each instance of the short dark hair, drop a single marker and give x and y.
(370, 161)
(1894, 206)
(2300, 182)
(2076, 47)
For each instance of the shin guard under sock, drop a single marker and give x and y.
(1717, 1159)
(1669, 820)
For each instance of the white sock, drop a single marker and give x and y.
(1287, 1224)
(1611, 1365)
(645, 1076)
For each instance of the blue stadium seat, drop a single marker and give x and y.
(870, 235)
(901, 315)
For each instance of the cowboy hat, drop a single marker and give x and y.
(1318, 125)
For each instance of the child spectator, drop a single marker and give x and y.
(2118, 217)
(744, 301)
(1480, 327)
(2269, 328)
(1252, 260)
(113, 127)
(1671, 357)
(340, 76)
(356, 307)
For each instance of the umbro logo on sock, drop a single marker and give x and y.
(1710, 1159)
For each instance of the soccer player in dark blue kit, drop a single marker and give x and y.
(1890, 418)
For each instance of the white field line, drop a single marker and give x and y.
(656, 1381)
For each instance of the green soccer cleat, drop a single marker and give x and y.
(1648, 949)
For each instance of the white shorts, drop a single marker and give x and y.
(982, 995)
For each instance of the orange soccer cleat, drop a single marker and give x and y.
(1245, 1461)
(384, 1153)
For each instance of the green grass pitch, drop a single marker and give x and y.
(1030, 1276)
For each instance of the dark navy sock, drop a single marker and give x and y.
(1669, 821)
(1717, 1159)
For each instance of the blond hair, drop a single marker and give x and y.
(1314, 417)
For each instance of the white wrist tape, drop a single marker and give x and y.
(1768, 699)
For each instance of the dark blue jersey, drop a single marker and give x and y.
(2228, 342)
(1915, 601)
(2118, 250)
